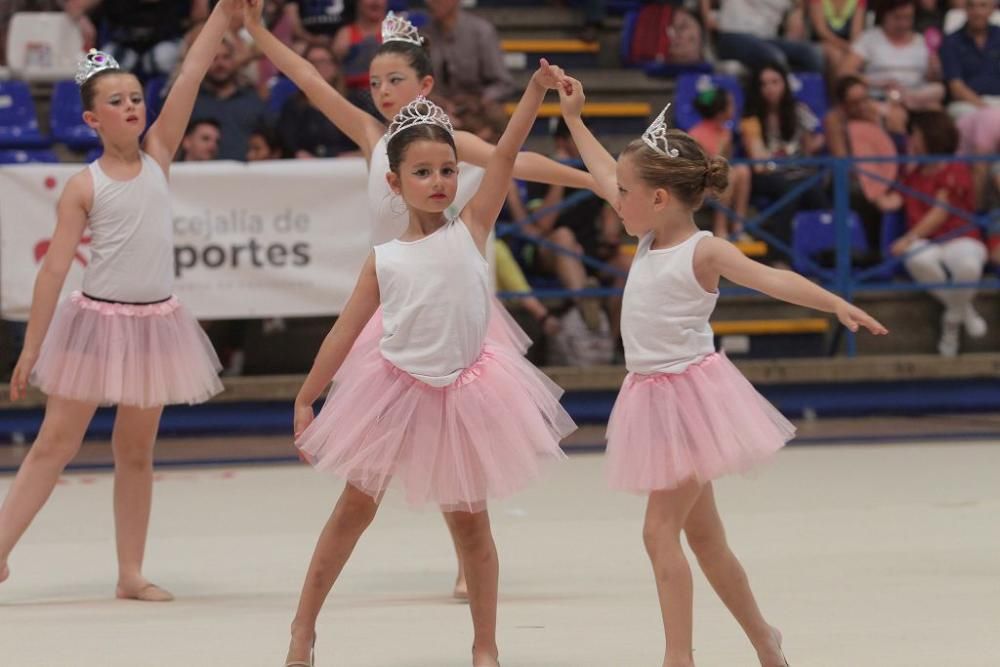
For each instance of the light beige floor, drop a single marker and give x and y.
(865, 557)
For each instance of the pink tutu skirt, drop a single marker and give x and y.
(124, 354)
(485, 436)
(701, 424)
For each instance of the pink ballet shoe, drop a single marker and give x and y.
(300, 663)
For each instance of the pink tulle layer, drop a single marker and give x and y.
(485, 436)
(701, 424)
(115, 353)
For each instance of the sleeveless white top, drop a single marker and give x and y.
(435, 303)
(388, 210)
(665, 310)
(131, 229)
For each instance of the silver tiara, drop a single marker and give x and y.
(95, 61)
(397, 28)
(420, 111)
(655, 135)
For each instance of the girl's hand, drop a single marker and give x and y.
(549, 76)
(303, 417)
(571, 98)
(252, 10)
(233, 8)
(19, 380)
(853, 317)
(901, 245)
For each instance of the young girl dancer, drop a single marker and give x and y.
(430, 401)
(401, 72)
(685, 414)
(124, 340)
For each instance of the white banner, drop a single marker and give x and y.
(283, 238)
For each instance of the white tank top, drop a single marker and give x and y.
(435, 303)
(665, 310)
(131, 230)
(388, 210)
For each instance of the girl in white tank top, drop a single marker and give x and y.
(685, 415)
(400, 72)
(125, 340)
(430, 401)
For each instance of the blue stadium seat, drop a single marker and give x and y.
(66, 118)
(810, 88)
(280, 88)
(685, 116)
(18, 120)
(628, 33)
(40, 155)
(893, 226)
(813, 232)
(154, 97)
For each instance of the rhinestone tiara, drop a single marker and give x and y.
(95, 61)
(420, 111)
(396, 28)
(655, 135)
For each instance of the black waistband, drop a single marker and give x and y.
(127, 303)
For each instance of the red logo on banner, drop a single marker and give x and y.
(42, 247)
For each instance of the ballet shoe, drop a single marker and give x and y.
(300, 663)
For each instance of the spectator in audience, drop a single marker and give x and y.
(687, 38)
(587, 227)
(304, 130)
(945, 248)
(264, 144)
(837, 24)
(775, 126)
(748, 31)
(895, 59)
(855, 127)
(145, 37)
(356, 44)
(201, 140)
(715, 134)
(75, 9)
(970, 59)
(317, 21)
(237, 107)
(465, 54)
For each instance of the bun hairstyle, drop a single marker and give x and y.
(401, 37)
(689, 175)
(416, 55)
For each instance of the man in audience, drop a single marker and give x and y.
(237, 108)
(970, 59)
(317, 21)
(465, 54)
(201, 140)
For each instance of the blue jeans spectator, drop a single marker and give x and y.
(754, 52)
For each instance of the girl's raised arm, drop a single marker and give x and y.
(601, 164)
(528, 166)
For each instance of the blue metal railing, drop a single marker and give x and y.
(844, 279)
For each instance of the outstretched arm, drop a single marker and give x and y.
(528, 166)
(71, 221)
(717, 257)
(482, 211)
(359, 309)
(362, 128)
(165, 134)
(602, 165)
